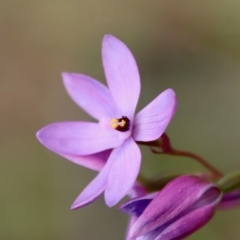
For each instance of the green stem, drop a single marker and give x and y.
(199, 159)
(174, 152)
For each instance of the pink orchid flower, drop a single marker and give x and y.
(109, 144)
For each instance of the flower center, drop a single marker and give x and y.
(121, 124)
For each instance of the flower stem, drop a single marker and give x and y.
(199, 159)
(164, 144)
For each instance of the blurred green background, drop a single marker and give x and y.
(190, 46)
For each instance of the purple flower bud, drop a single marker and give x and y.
(182, 207)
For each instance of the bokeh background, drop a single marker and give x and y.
(190, 46)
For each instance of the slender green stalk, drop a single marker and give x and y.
(173, 152)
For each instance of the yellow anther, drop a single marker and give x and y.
(114, 123)
(123, 123)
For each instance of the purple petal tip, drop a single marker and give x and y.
(76, 206)
(109, 37)
(38, 135)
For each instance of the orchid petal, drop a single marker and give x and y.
(79, 138)
(122, 74)
(151, 122)
(94, 161)
(91, 192)
(124, 171)
(90, 95)
(94, 188)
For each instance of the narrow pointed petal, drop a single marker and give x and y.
(122, 74)
(151, 122)
(93, 161)
(79, 138)
(93, 189)
(170, 205)
(90, 193)
(90, 95)
(124, 171)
